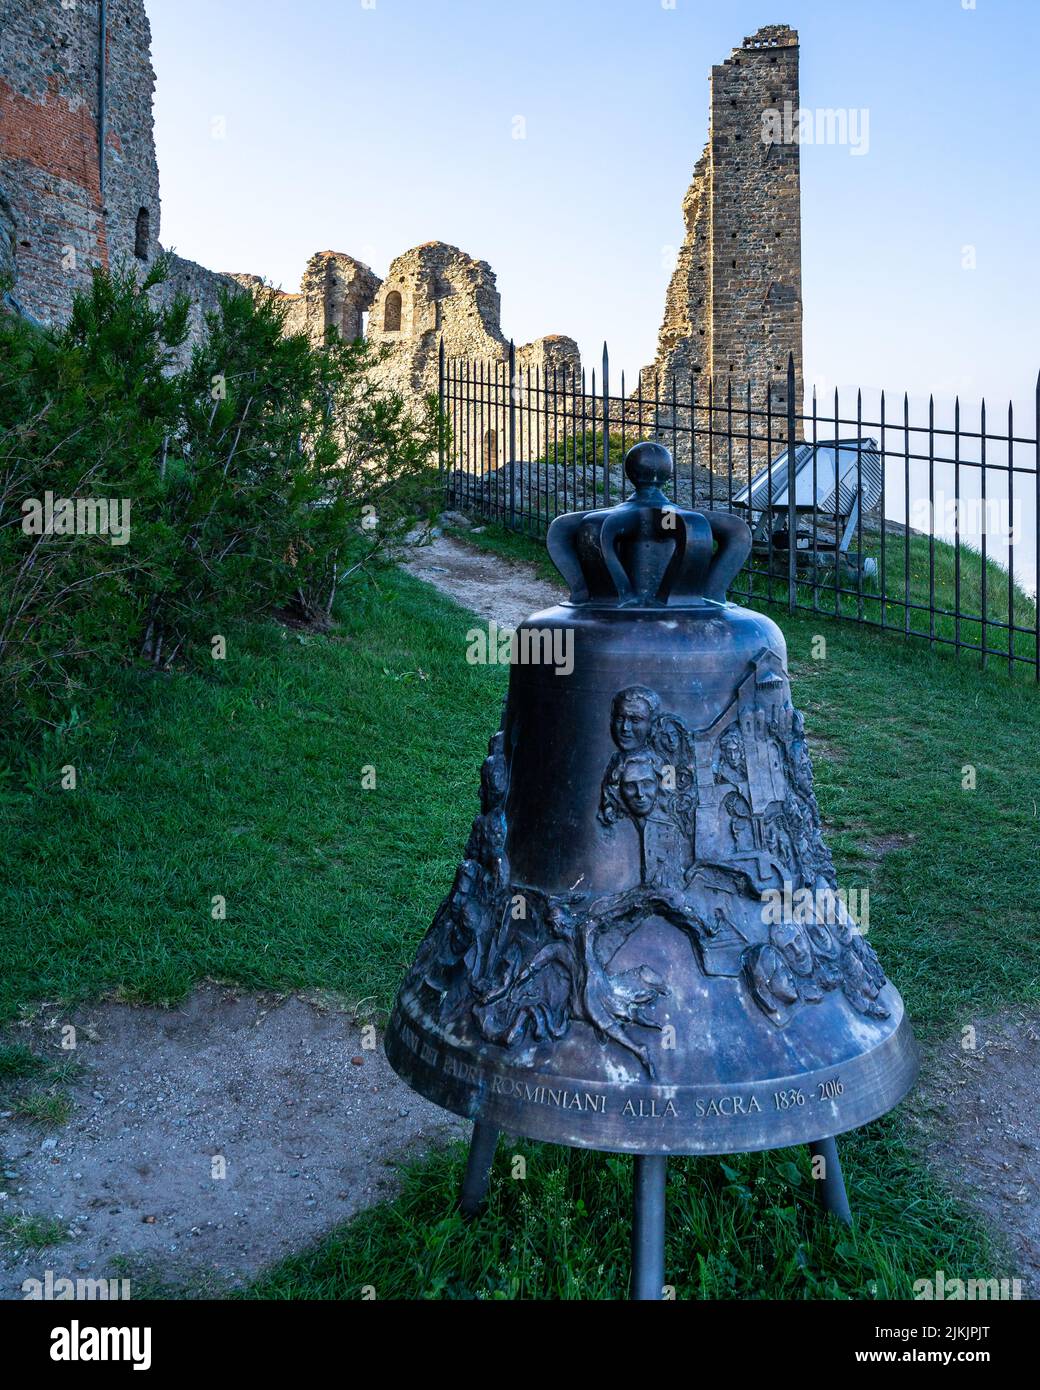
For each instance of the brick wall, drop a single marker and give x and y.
(49, 160)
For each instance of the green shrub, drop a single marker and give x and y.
(284, 447)
(255, 478)
(83, 415)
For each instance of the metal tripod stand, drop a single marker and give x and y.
(648, 1202)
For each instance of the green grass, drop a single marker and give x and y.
(50, 1108)
(48, 1105)
(245, 782)
(745, 1226)
(918, 577)
(23, 1232)
(18, 1062)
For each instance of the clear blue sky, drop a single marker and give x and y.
(369, 126)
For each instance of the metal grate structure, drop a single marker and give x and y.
(836, 474)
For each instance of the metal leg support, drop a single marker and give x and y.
(478, 1168)
(833, 1197)
(649, 1172)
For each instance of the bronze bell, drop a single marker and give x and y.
(643, 950)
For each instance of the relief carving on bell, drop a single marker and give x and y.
(644, 949)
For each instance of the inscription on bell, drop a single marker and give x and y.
(465, 1071)
(728, 1106)
(547, 1095)
(649, 1109)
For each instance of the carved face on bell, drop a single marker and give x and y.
(639, 786)
(668, 736)
(771, 981)
(731, 750)
(823, 943)
(630, 717)
(792, 941)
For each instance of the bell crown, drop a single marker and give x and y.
(648, 552)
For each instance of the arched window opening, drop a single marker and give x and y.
(490, 449)
(141, 232)
(392, 313)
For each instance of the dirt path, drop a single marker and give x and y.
(983, 1132)
(483, 582)
(307, 1120)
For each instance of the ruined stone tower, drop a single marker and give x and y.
(76, 198)
(434, 291)
(733, 311)
(79, 183)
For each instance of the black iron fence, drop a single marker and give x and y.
(923, 522)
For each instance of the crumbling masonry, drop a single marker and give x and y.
(79, 187)
(433, 293)
(79, 183)
(733, 311)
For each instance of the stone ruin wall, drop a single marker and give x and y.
(49, 159)
(335, 292)
(56, 224)
(431, 293)
(723, 322)
(203, 288)
(733, 310)
(436, 292)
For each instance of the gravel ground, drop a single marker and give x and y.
(307, 1120)
(983, 1133)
